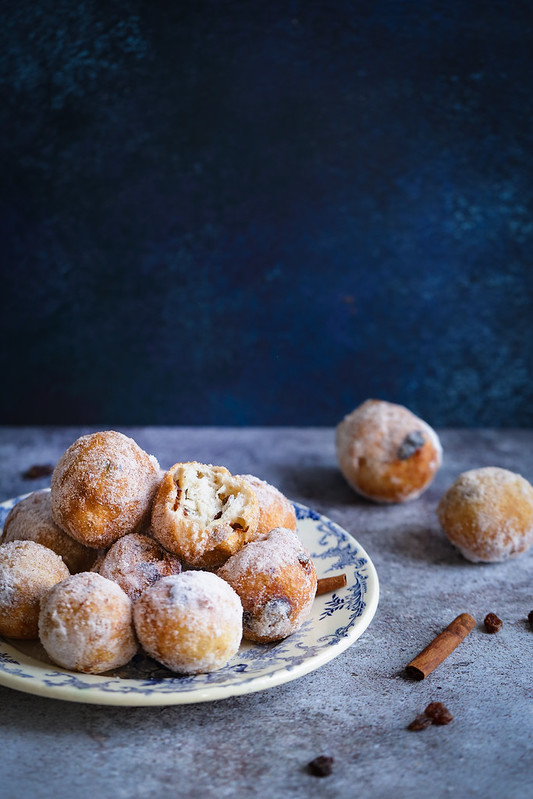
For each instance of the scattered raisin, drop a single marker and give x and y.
(492, 623)
(438, 713)
(420, 723)
(39, 470)
(530, 617)
(411, 444)
(321, 766)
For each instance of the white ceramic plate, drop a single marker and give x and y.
(336, 621)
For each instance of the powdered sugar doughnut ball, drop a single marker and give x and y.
(204, 514)
(488, 514)
(103, 487)
(137, 561)
(386, 453)
(276, 581)
(27, 571)
(86, 624)
(191, 622)
(31, 520)
(275, 510)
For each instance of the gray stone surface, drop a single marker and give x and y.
(356, 707)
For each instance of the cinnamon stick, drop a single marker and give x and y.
(327, 584)
(441, 646)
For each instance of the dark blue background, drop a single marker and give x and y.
(265, 212)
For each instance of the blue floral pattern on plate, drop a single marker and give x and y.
(336, 621)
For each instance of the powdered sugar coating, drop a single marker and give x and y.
(488, 514)
(27, 571)
(86, 624)
(190, 622)
(275, 510)
(31, 520)
(280, 548)
(135, 562)
(103, 487)
(373, 457)
(276, 581)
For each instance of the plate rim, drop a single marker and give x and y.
(98, 696)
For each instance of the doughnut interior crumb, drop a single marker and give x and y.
(204, 514)
(213, 497)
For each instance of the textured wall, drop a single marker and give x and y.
(263, 213)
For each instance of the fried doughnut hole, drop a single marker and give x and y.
(203, 514)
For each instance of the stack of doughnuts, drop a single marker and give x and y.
(186, 562)
(119, 554)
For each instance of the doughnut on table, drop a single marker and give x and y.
(355, 707)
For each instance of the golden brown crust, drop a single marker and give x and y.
(386, 453)
(203, 514)
(488, 514)
(275, 510)
(102, 488)
(136, 562)
(31, 520)
(27, 572)
(276, 581)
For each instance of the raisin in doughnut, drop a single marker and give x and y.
(31, 520)
(203, 514)
(275, 510)
(86, 624)
(276, 581)
(27, 571)
(190, 622)
(135, 562)
(103, 487)
(386, 453)
(488, 514)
